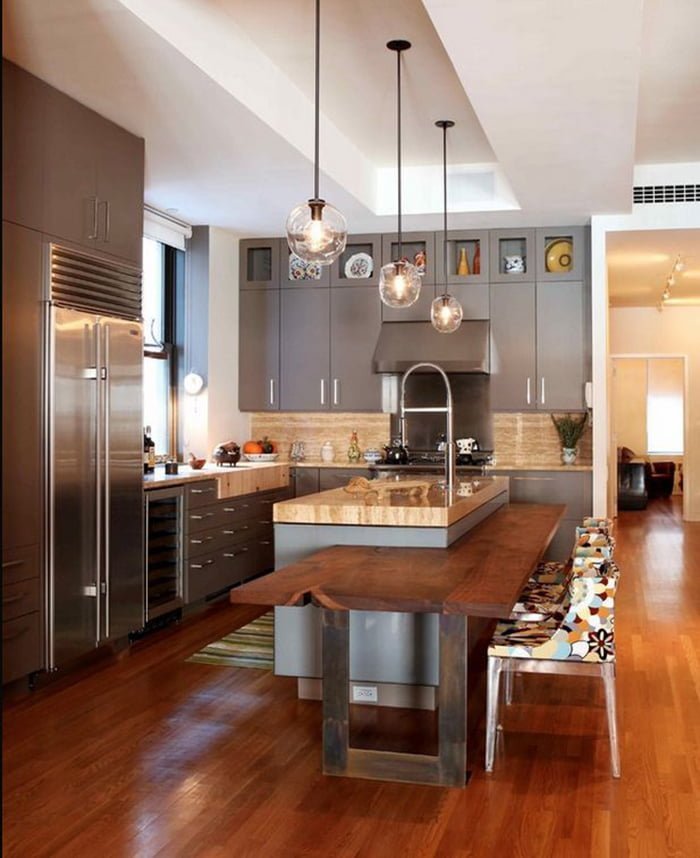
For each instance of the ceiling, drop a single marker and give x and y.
(640, 262)
(552, 107)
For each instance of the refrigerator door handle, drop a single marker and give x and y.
(98, 482)
(105, 380)
(49, 518)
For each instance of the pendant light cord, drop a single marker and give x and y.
(398, 138)
(317, 102)
(444, 197)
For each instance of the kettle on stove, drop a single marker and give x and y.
(396, 453)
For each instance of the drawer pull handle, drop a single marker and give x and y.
(200, 517)
(229, 509)
(201, 565)
(203, 491)
(200, 541)
(7, 564)
(267, 501)
(8, 600)
(265, 542)
(235, 553)
(265, 522)
(9, 636)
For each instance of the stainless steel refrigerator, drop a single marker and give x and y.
(94, 454)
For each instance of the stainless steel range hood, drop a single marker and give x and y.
(401, 344)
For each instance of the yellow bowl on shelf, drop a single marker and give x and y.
(559, 255)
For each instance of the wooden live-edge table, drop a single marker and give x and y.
(480, 575)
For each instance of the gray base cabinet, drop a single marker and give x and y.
(226, 541)
(573, 488)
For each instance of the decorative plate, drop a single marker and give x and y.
(301, 270)
(359, 265)
(559, 255)
(261, 457)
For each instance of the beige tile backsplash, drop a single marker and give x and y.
(529, 439)
(520, 439)
(316, 428)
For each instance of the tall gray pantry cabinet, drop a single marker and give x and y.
(73, 179)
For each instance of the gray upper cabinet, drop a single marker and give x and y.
(359, 264)
(418, 312)
(467, 257)
(259, 350)
(474, 299)
(326, 345)
(560, 345)
(304, 349)
(23, 134)
(72, 174)
(513, 347)
(512, 255)
(260, 262)
(537, 346)
(561, 253)
(355, 320)
(294, 272)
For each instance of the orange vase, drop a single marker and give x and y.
(463, 263)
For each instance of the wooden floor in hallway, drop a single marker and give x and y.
(152, 755)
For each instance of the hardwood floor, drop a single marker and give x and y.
(151, 755)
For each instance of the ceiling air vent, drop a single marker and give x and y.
(666, 194)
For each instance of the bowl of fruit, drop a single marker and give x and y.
(260, 451)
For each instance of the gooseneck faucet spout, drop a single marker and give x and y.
(447, 410)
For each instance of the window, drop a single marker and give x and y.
(163, 281)
(665, 406)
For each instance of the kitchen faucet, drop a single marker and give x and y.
(447, 410)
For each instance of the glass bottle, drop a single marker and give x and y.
(463, 264)
(354, 452)
(476, 262)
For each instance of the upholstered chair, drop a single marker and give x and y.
(578, 639)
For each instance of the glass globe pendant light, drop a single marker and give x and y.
(316, 230)
(445, 311)
(399, 281)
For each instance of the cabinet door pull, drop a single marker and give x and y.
(272, 391)
(201, 565)
(336, 391)
(323, 391)
(202, 491)
(9, 600)
(235, 553)
(95, 207)
(9, 636)
(106, 231)
(543, 399)
(529, 398)
(8, 563)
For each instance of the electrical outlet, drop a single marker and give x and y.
(364, 693)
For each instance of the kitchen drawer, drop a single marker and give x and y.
(555, 487)
(214, 572)
(201, 493)
(18, 564)
(222, 514)
(220, 538)
(21, 647)
(21, 598)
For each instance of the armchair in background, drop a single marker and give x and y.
(659, 478)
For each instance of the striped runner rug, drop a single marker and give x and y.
(250, 646)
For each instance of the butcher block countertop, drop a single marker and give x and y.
(480, 574)
(398, 509)
(245, 478)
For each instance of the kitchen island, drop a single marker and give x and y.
(395, 652)
(478, 575)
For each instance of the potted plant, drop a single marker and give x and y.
(570, 428)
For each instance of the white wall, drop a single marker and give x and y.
(225, 421)
(674, 331)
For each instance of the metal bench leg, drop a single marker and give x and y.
(492, 688)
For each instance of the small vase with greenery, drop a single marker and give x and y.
(570, 428)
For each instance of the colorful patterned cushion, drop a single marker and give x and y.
(550, 572)
(583, 631)
(598, 522)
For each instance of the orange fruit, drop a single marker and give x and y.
(252, 447)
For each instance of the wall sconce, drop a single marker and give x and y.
(193, 383)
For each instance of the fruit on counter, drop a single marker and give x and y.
(267, 445)
(252, 447)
